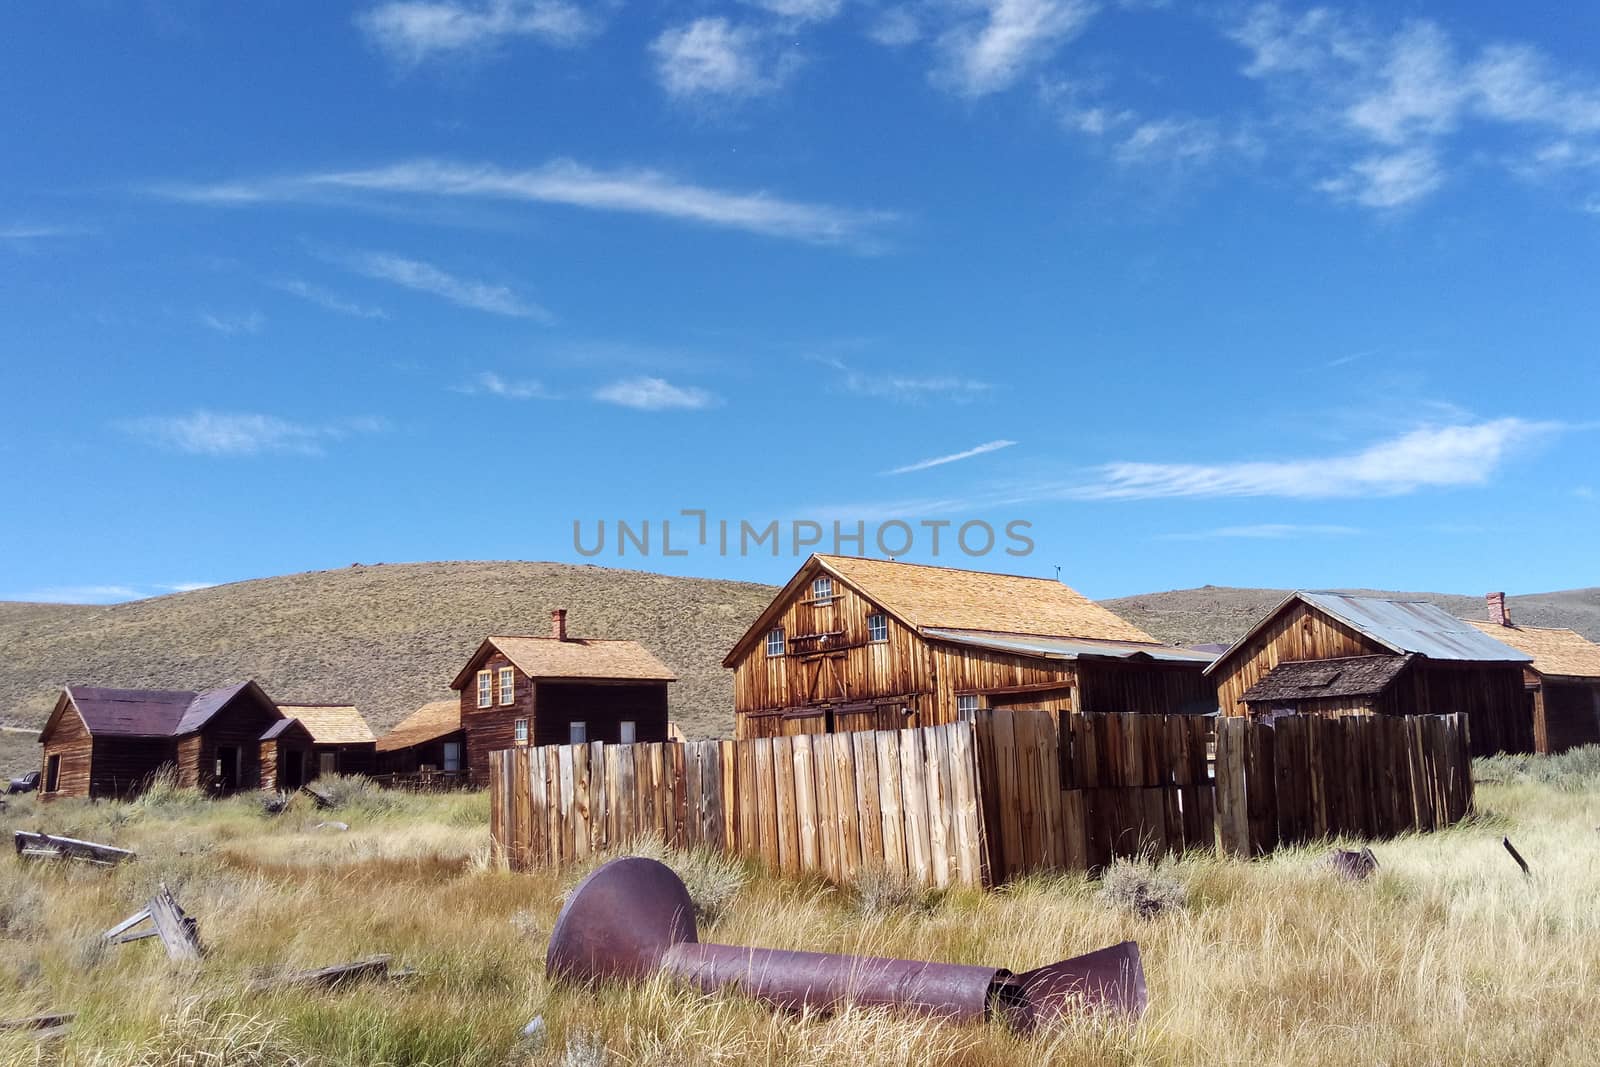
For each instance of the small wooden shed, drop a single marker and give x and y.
(1321, 652)
(108, 742)
(558, 689)
(1562, 682)
(342, 742)
(429, 741)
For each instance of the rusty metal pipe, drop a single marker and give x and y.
(632, 918)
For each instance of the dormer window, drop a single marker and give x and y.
(486, 689)
(877, 627)
(775, 642)
(508, 685)
(822, 592)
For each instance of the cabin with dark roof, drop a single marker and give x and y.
(1339, 654)
(862, 644)
(559, 689)
(1562, 682)
(108, 742)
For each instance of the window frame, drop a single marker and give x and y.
(966, 712)
(506, 686)
(485, 689)
(821, 599)
(520, 731)
(628, 732)
(578, 732)
(782, 643)
(878, 621)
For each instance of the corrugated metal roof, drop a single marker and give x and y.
(1068, 647)
(1415, 626)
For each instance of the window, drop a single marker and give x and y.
(629, 732)
(775, 641)
(327, 763)
(520, 731)
(485, 689)
(508, 685)
(878, 627)
(577, 733)
(452, 755)
(967, 707)
(822, 592)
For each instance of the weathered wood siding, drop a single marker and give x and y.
(348, 759)
(123, 765)
(68, 739)
(1143, 688)
(602, 706)
(1298, 633)
(491, 729)
(1566, 715)
(428, 754)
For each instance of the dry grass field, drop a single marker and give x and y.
(1448, 956)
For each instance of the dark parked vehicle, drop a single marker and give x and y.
(26, 783)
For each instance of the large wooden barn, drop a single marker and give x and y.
(520, 690)
(108, 742)
(1336, 654)
(1563, 681)
(862, 644)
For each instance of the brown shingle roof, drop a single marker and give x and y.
(433, 720)
(1326, 679)
(925, 596)
(331, 724)
(576, 657)
(1560, 653)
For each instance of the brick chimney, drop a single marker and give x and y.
(558, 624)
(1499, 614)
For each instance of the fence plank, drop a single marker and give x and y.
(968, 847)
(933, 743)
(767, 803)
(914, 804)
(893, 832)
(581, 829)
(869, 811)
(784, 788)
(1008, 805)
(844, 802)
(827, 814)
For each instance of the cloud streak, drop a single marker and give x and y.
(489, 383)
(328, 300)
(1435, 457)
(412, 32)
(712, 57)
(562, 182)
(464, 292)
(954, 457)
(215, 433)
(1001, 40)
(907, 388)
(654, 394)
(1266, 531)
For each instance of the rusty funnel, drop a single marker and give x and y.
(632, 918)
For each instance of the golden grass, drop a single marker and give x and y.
(1448, 956)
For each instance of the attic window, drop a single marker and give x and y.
(822, 592)
(878, 627)
(775, 641)
(508, 685)
(486, 689)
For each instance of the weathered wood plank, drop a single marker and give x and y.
(914, 802)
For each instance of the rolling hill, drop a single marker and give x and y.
(391, 636)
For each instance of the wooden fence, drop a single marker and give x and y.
(829, 804)
(1102, 786)
(980, 803)
(1306, 777)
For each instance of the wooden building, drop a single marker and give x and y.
(557, 689)
(1562, 682)
(1336, 654)
(341, 740)
(108, 742)
(862, 644)
(427, 742)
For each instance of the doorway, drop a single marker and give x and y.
(52, 773)
(227, 778)
(291, 774)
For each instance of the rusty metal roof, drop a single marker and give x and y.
(1415, 626)
(1069, 647)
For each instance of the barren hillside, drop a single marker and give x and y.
(387, 637)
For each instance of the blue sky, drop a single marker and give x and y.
(1218, 293)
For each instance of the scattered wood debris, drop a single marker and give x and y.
(179, 933)
(333, 824)
(1506, 841)
(46, 1027)
(374, 968)
(1355, 865)
(37, 846)
(323, 800)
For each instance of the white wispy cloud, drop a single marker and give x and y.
(32, 231)
(219, 433)
(1431, 457)
(411, 32)
(1266, 531)
(465, 292)
(326, 299)
(954, 457)
(489, 383)
(896, 27)
(908, 387)
(713, 57)
(561, 181)
(235, 324)
(1398, 99)
(654, 394)
(800, 10)
(995, 42)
